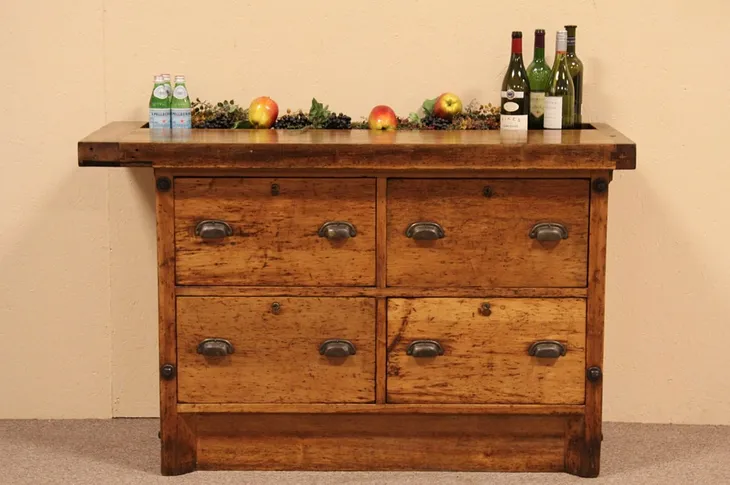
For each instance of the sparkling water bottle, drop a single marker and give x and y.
(180, 104)
(168, 85)
(159, 105)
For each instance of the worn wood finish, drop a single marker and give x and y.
(501, 409)
(487, 239)
(486, 357)
(381, 442)
(275, 240)
(381, 337)
(276, 357)
(356, 149)
(177, 439)
(394, 292)
(588, 449)
(276, 404)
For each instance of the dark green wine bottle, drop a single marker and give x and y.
(560, 95)
(538, 73)
(575, 66)
(515, 106)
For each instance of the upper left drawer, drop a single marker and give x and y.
(275, 232)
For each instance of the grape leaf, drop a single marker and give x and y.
(318, 113)
(242, 125)
(428, 106)
(414, 118)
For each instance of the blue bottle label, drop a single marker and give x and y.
(159, 118)
(181, 118)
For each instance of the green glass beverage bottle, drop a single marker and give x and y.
(515, 106)
(538, 73)
(575, 66)
(159, 105)
(560, 95)
(168, 85)
(180, 104)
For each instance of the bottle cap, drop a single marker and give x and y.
(516, 34)
(158, 78)
(561, 41)
(166, 77)
(180, 79)
(539, 31)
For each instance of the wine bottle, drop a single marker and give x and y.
(538, 74)
(515, 90)
(560, 95)
(575, 66)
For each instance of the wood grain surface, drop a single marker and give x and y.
(176, 438)
(381, 442)
(495, 409)
(487, 239)
(275, 240)
(127, 144)
(486, 357)
(276, 356)
(584, 452)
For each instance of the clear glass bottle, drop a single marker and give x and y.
(575, 66)
(560, 95)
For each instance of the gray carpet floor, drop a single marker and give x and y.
(126, 451)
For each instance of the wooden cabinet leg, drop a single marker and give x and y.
(178, 447)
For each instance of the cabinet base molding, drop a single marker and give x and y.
(351, 442)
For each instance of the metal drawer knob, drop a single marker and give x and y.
(425, 348)
(548, 231)
(213, 229)
(337, 230)
(425, 231)
(548, 349)
(337, 348)
(215, 347)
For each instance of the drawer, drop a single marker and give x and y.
(277, 346)
(446, 350)
(490, 233)
(274, 232)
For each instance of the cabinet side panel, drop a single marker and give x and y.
(177, 438)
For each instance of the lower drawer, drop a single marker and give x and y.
(448, 350)
(276, 350)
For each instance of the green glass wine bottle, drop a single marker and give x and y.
(560, 95)
(575, 66)
(515, 90)
(538, 73)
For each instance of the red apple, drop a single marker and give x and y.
(382, 118)
(262, 112)
(447, 106)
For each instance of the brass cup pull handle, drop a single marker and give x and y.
(337, 348)
(215, 347)
(548, 349)
(212, 229)
(337, 230)
(548, 231)
(425, 348)
(425, 231)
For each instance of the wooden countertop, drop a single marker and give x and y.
(127, 144)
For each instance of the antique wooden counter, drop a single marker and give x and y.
(354, 300)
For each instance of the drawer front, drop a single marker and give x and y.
(273, 232)
(490, 237)
(276, 346)
(486, 352)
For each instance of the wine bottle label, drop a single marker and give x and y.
(181, 118)
(160, 92)
(513, 122)
(180, 92)
(553, 112)
(510, 94)
(537, 104)
(159, 118)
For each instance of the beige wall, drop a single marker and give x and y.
(77, 259)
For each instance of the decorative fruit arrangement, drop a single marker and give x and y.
(446, 112)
